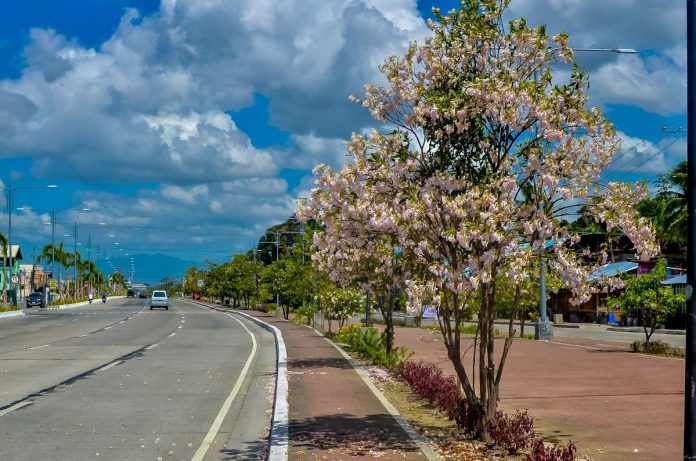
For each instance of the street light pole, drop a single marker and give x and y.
(75, 258)
(690, 362)
(544, 328)
(9, 233)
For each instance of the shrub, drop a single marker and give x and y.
(512, 433)
(541, 452)
(305, 314)
(656, 348)
(430, 383)
(369, 344)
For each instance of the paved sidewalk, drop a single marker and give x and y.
(333, 414)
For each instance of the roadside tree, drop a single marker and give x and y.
(645, 297)
(489, 152)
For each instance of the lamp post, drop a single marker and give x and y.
(9, 190)
(54, 214)
(544, 328)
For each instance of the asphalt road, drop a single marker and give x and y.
(118, 381)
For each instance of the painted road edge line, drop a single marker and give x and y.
(278, 442)
(279, 425)
(217, 422)
(417, 438)
(16, 406)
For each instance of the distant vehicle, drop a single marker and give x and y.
(159, 299)
(130, 294)
(142, 295)
(35, 300)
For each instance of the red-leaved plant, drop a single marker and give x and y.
(512, 433)
(541, 452)
(430, 383)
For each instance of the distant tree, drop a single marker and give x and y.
(647, 298)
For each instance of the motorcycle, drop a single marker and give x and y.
(104, 298)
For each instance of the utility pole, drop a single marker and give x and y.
(75, 258)
(9, 235)
(690, 362)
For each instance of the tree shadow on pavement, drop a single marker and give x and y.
(256, 450)
(336, 362)
(357, 435)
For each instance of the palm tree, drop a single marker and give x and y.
(674, 210)
(117, 279)
(54, 254)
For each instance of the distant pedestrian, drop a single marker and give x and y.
(90, 297)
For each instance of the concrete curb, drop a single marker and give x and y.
(23, 312)
(279, 438)
(18, 313)
(640, 330)
(280, 425)
(417, 438)
(81, 303)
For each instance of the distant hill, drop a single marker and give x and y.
(149, 268)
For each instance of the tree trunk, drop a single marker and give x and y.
(387, 310)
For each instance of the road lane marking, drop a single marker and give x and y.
(111, 365)
(151, 346)
(210, 437)
(39, 347)
(16, 406)
(82, 336)
(35, 329)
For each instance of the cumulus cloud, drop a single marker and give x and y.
(655, 80)
(152, 100)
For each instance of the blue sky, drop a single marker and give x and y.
(189, 126)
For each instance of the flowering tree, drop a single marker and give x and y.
(487, 155)
(340, 304)
(359, 241)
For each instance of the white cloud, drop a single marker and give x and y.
(655, 80)
(654, 156)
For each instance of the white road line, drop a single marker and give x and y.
(16, 406)
(208, 440)
(35, 329)
(106, 328)
(39, 347)
(576, 345)
(179, 326)
(110, 365)
(173, 334)
(151, 346)
(82, 336)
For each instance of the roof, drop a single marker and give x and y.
(676, 280)
(613, 269)
(15, 252)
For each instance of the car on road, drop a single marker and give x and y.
(35, 300)
(142, 295)
(130, 294)
(159, 299)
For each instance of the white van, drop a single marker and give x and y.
(159, 299)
